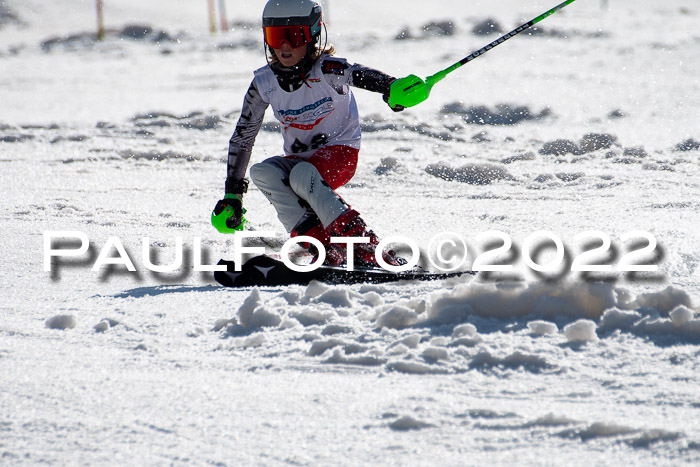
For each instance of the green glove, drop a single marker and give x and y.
(227, 215)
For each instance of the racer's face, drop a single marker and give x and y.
(288, 56)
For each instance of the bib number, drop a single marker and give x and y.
(317, 141)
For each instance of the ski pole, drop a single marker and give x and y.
(412, 90)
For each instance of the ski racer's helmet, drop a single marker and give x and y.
(297, 22)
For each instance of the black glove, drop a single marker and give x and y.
(397, 108)
(386, 94)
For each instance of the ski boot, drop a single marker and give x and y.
(350, 224)
(335, 254)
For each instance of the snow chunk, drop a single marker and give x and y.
(404, 34)
(411, 341)
(310, 337)
(397, 317)
(516, 360)
(486, 27)
(450, 311)
(336, 298)
(559, 147)
(489, 414)
(398, 349)
(388, 164)
(689, 330)
(665, 300)
(235, 330)
(464, 330)
(246, 310)
(503, 114)
(680, 316)
(380, 289)
(256, 340)
(636, 151)
(252, 314)
(439, 28)
(333, 329)
(105, 324)
(196, 332)
(435, 354)
(582, 330)
(414, 368)
(289, 323)
(319, 347)
(550, 420)
(649, 437)
(204, 122)
(220, 324)
(618, 319)
(542, 328)
(569, 176)
(364, 360)
(528, 156)
(356, 348)
(473, 174)
(439, 341)
(617, 113)
(517, 300)
(417, 304)
(467, 341)
(136, 31)
(599, 430)
(688, 145)
(292, 298)
(310, 316)
(373, 299)
(61, 322)
(407, 422)
(102, 326)
(262, 317)
(595, 141)
(15, 138)
(314, 289)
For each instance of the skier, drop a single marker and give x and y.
(308, 89)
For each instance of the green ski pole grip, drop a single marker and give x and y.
(408, 91)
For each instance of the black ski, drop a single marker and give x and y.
(265, 271)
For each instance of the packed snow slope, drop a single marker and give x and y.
(588, 123)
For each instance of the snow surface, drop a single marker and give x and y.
(590, 124)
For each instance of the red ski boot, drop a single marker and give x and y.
(335, 253)
(350, 224)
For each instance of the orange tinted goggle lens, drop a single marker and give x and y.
(295, 36)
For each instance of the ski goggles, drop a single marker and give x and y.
(295, 36)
